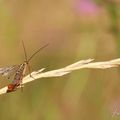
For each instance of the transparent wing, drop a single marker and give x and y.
(7, 71)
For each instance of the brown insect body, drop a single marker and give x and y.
(18, 78)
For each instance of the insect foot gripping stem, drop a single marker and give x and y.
(11, 88)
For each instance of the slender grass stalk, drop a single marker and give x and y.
(68, 69)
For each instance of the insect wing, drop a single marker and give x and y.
(6, 71)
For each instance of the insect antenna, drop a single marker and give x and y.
(24, 51)
(37, 52)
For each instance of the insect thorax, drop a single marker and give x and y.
(19, 74)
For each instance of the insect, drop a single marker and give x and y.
(19, 70)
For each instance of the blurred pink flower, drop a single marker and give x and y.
(86, 7)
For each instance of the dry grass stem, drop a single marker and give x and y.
(68, 69)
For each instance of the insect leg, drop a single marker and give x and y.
(30, 71)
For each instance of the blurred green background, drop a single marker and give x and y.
(75, 29)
